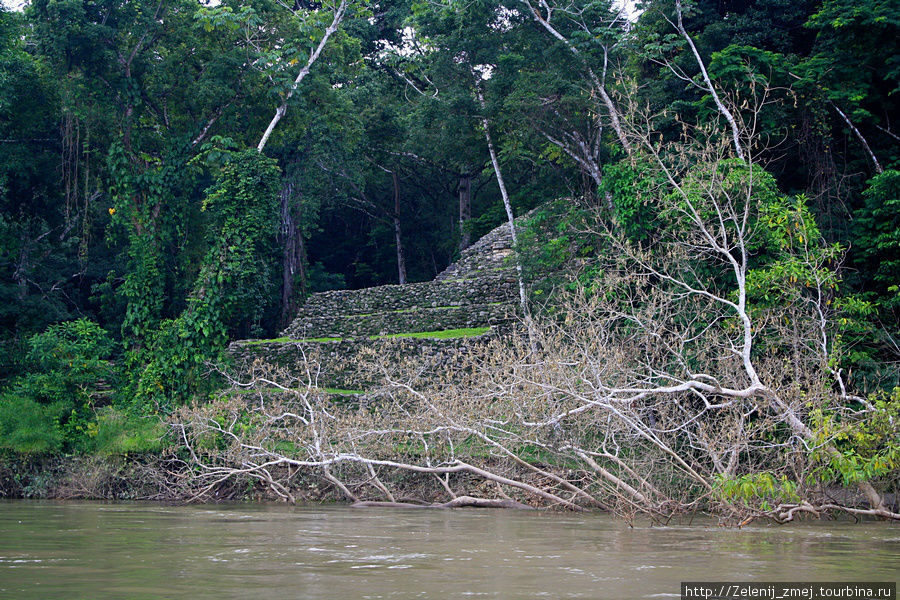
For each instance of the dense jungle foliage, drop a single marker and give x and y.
(146, 220)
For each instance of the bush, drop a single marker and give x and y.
(115, 432)
(49, 409)
(877, 232)
(27, 427)
(633, 186)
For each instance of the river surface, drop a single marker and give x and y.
(93, 550)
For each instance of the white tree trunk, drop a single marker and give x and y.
(523, 300)
(735, 130)
(281, 110)
(598, 83)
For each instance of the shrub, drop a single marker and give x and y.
(116, 432)
(27, 427)
(49, 408)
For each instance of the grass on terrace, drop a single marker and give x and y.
(444, 334)
(324, 390)
(284, 340)
(436, 335)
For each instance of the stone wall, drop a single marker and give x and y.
(491, 288)
(491, 253)
(347, 364)
(401, 321)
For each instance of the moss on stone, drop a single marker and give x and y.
(436, 335)
(285, 340)
(340, 392)
(280, 340)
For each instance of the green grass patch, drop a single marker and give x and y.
(436, 335)
(118, 433)
(326, 390)
(284, 340)
(272, 341)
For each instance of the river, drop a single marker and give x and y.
(68, 550)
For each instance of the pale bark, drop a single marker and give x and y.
(523, 298)
(458, 502)
(723, 110)
(618, 483)
(597, 82)
(339, 13)
(587, 160)
(859, 136)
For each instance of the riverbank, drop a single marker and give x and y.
(172, 481)
(83, 478)
(160, 478)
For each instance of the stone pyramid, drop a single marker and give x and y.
(471, 299)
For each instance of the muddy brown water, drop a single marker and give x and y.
(68, 550)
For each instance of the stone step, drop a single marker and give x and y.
(402, 321)
(341, 333)
(495, 287)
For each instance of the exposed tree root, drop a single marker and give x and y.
(785, 513)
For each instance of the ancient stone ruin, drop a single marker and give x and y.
(433, 321)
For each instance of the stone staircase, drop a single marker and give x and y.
(434, 320)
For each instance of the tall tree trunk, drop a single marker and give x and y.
(523, 299)
(465, 210)
(859, 136)
(401, 261)
(293, 258)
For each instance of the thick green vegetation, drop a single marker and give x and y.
(170, 183)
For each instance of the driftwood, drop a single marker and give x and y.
(458, 502)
